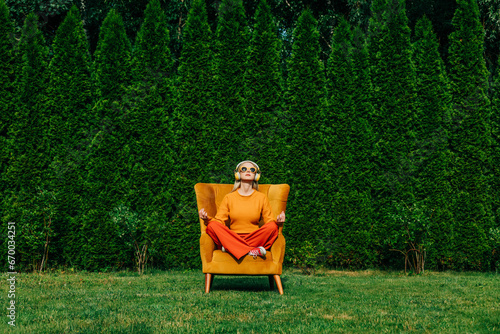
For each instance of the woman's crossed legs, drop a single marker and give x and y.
(240, 244)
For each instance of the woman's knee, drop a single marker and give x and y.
(210, 226)
(215, 226)
(271, 227)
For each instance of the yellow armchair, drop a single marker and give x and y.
(215, 262)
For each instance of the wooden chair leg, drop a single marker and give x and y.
(208, 282)
(271, 282)
(277, 279)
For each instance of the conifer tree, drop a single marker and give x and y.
(495, 130)
(7, 77)
(470, 139)
(363, 142)
(7, 105)
(27, 175)
(263, 88)
(148, 105)
(231, 47)
(348, 151)
(193, 128)
(394, 121)
(69, 104)
(110, 160)
(434, 98)
(304, 167)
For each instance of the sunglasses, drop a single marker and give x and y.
(251, 169)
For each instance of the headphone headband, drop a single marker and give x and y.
(238, 166)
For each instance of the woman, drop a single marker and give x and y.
(244, 206)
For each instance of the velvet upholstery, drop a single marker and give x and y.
(215, 262)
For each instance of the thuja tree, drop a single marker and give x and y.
(346, 130)
(231, 46)
(493, 233)
(147, 106)
(194, 130)
(337, 126)
(470, 140)
(434, 98)
(305, 152)
(495, 125)
(69, 105)
(106, 183)
(262, 141)
(7, 105)
(362, 144)
(394, 121)
(7, 76)
(27, 174)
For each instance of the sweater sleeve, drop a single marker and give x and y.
(222, 212)
(267, 213)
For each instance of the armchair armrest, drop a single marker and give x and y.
(278, 249)
(207, 247)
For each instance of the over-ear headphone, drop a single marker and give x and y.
(237, 175)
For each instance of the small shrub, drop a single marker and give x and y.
(136, 232)
(412, 236)
(37, 229)
(305, 257)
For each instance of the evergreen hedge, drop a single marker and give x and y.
(108, 152)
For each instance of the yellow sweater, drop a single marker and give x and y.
(244, 212)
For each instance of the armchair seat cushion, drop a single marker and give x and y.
(225, 263)
(220, 256)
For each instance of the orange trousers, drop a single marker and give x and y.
(240, 244)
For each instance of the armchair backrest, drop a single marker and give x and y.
(210, 195)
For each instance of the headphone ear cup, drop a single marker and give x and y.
(257, 176)
(237, 176)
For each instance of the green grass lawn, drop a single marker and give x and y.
(332, 302)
